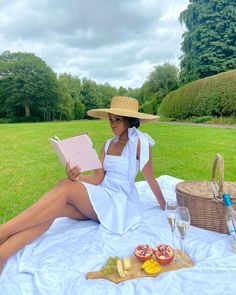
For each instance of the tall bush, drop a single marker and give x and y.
(149, 106)
(215, 95)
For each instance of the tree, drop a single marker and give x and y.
(209, 45)
(162, 80)
(122, 91)
(32, 88)
(79, 109)
(71, 106)
(71, 83)
(106, 93)
(90, 96)
(135, 93)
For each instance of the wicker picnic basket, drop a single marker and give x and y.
(204, 199)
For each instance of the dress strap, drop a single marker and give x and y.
(145, 142)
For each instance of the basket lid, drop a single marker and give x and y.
(203, 188)
(230, 187)
(197, 188)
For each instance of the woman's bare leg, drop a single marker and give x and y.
(49, 207)
(22, 238)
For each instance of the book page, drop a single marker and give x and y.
(78, 150)
(58, 150)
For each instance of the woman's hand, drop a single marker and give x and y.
(73, 173)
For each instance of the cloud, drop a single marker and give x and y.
(107, 40)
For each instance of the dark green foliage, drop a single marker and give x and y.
(211, 96)
(122, 91)
(209, 45)
(201, 119)
(91, 98)
(163, 79)
(79, 109)
(135, 93)
(70, 106)
(28, 87)
(106, 93)
(149, 107)
(30, 91)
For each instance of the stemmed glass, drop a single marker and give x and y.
(183, 220)
(170, 214)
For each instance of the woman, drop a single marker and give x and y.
(108, 195)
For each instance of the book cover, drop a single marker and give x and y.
(78, 150)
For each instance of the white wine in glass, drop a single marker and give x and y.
(183, 220)
(182, 227)
(170, 214)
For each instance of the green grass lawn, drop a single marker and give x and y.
(29, 166)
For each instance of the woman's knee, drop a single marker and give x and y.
(77, 195)
(64, 183)
(60, 182)
(68, 185)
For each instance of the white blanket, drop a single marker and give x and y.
(56, 263)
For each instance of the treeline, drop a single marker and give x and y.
(31, 91)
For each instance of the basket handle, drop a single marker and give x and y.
(218, 187)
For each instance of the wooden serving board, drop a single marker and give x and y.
(181, 260)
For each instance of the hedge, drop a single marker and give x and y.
(149, 106)
(210, 96)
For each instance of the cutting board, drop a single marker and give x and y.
(181, 260)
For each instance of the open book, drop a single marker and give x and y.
(78, 150)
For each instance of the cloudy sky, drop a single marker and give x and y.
(115, 41)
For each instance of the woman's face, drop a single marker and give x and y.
(119, 124)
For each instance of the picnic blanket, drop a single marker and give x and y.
(57, 262)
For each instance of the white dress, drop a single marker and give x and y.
(115, 200)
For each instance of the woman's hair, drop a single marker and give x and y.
(133, 122)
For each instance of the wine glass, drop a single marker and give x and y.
(183, 220)
(170, 209)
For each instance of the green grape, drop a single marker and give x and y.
(110, 265)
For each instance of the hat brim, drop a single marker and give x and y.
(104, 114)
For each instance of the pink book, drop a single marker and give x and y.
(78, 150)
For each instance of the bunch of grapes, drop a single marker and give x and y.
(110, 266)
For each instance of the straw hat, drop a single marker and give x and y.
(122, 106)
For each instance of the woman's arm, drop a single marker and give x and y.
(148, 174)
(95, 178)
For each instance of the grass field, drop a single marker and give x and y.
(29, 167)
